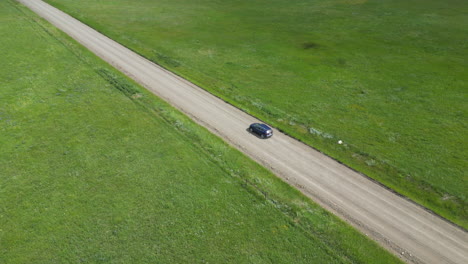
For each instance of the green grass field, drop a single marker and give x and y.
(95, 169)
(386, 77)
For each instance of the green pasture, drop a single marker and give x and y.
(94, 169)
(389, 78)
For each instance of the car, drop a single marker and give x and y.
(261, 130)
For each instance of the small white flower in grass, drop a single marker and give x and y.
(340, 142)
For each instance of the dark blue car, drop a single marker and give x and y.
(261, 130)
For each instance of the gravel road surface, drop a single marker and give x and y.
(401, 226)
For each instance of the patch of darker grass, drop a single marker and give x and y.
(161, 58)
(118, 83)
(310, 45)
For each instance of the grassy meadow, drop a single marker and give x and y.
(388, 77)
(95, 169)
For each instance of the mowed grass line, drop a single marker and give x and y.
(388, 78)
(96, 169)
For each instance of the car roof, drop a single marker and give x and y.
(263, 126)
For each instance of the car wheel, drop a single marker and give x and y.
(262, 136)
(250, 129)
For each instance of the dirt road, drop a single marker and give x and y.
(399, 225)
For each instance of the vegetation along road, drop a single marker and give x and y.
(399, 225)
